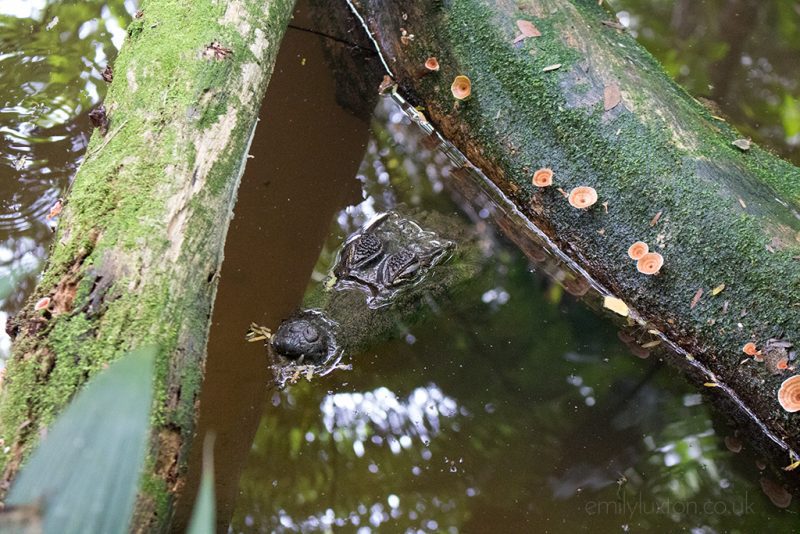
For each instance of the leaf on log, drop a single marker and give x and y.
(108, 74)
(696, 297)
(528, 29)
(655, 218)
(792, 466)
(616, 305)
(614, 24)
(611, 96)
(742, 144)
(99, 119)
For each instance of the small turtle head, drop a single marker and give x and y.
(299, 337)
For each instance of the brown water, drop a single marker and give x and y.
(512, 408)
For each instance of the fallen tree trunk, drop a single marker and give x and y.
(584, 99)
(141, 237)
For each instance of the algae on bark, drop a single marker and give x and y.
(143, 228)
(665, 168)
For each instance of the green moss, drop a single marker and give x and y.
(659, 151)
(113, 240)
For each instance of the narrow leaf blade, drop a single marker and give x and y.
(86, 472)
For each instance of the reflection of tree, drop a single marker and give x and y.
(51, 64)
(741, 53)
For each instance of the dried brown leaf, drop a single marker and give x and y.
(696, 297)
(614, 24)
(611, 96)
(99, 119)
(742, 144)
(528, 29)
(108, 74)
(655, 218)
(216, 51)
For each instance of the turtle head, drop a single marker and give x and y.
(301, 337)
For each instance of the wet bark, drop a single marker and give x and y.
(140, 242)
(586, 100)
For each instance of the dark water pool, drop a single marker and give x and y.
(509, 407)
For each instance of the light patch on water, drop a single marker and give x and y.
(117, 32)
(361, 417)
(23, 9)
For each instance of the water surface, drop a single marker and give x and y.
(509, 407)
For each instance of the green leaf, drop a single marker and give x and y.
(204, 513)
(85, 473)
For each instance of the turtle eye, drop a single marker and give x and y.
(310, 334)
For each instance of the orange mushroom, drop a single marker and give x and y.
(789, 394)
(637, 250)
(582, 197)
(42, 304)
(543, 177)
(650, 263)
(750, 349)
(432, 64)
(461, 87)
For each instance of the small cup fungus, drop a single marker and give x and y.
(582, 197)
(650, 263)
(750, 349)
(789, 394)
(543, 177)
(637, 250)
(461, 87)
(42, 304)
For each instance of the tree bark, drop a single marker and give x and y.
(664, 167)
(141, 237)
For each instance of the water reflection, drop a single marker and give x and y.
(543, 418)
(380, 418)
(52, 56)
(741, 55)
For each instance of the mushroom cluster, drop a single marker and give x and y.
(646, 262)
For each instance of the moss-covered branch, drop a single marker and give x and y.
(664, 167)
(142, 233)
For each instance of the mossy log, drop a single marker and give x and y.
(141, 237)
(586, 100)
